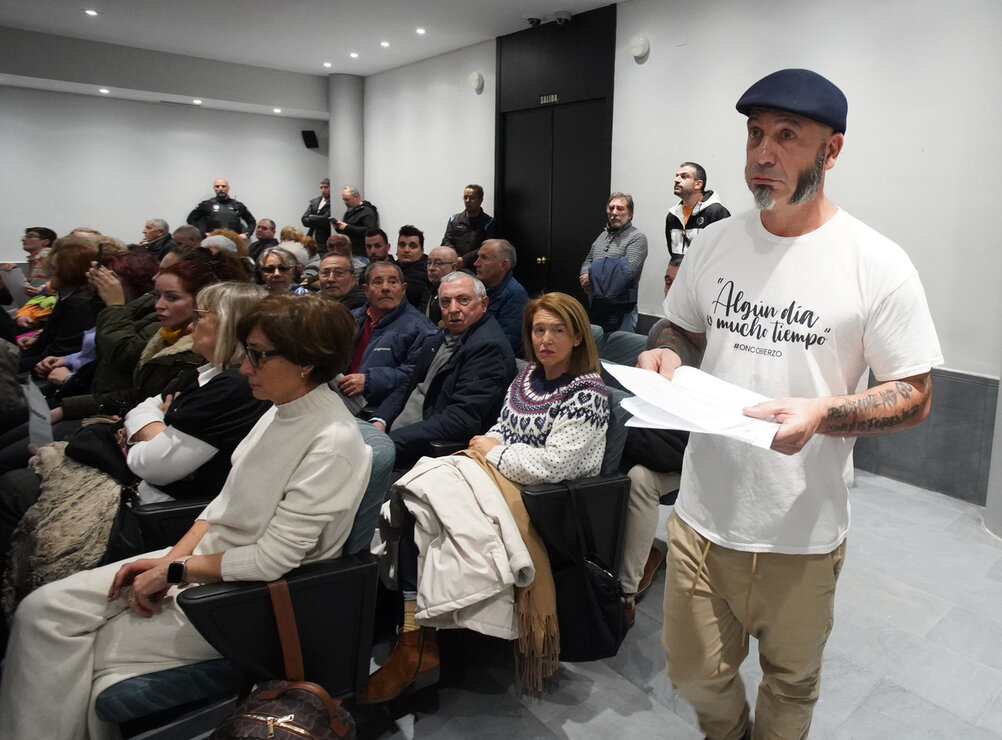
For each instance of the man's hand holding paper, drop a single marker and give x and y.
(697, 402)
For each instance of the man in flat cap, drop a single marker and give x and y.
(795, 301)
(317, 217)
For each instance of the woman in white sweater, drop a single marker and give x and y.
(290, 498)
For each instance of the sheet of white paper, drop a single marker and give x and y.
(693, 401)
(39, 423)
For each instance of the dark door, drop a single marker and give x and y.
(556, 179)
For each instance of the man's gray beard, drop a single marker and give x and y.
(809, 181)
(808, 184)
(763, 197)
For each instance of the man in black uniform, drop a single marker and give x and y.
(222, 212)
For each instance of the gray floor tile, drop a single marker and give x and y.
(916, 650)
(891, 712)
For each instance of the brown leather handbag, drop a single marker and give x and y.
(291, 709)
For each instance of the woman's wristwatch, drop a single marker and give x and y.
(175, 571)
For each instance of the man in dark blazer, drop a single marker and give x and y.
(318, 214)
(460, 379)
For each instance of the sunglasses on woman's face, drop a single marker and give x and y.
(275, 268)
(254, 356)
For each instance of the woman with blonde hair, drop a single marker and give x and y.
(181, 443)
(552, 428)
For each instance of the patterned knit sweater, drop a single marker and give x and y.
(553, 430)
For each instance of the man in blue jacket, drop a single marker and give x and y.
(460, 379)
(389, 332)
(495, 261)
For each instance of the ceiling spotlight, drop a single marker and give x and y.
(277, 110)
(104, 91)
(92, 13)
(354, 55)
(328, 65)
(420, 31)
(196, 101)
(384, 44)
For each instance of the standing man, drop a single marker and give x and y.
(360, 217)
(611, 272)
(441, 261)
(495, 261)
(264, 236)
(222, 212)
(414, 262)
(471, 227)
(156, 237)
(318, 214)
(699, 207)
(757, 539)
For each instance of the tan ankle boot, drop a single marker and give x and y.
(412, 665)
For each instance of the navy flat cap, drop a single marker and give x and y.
(325, 181)
(799, 91)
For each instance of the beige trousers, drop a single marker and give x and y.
(646, 488)
(69, 643)
(714, 598)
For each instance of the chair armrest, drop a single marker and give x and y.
(165, 522)
(443, 447)
(334, 602)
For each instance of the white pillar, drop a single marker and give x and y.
(993, 505)
(345, 158)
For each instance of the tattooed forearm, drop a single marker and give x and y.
(885, 408)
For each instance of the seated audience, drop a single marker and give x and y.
(219, 243)
(441, 261)
(76, 307)
(495, 261)
(280, 271)
(414, 262)
(37, 242)
(377, 246)
(264, 237)
(338, 282)
(459, 380)
(180, 445)
(340, 244)
(552, 427)
(187, 236)
(156, 238)
(167, 360)
(296, 482)
(390, 331)
(81, 371)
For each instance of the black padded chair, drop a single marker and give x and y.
(334, 602)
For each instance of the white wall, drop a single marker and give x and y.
(74, 160)
(427, 135)
(920, 163)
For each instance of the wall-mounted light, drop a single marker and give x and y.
(639, 47)
(477, 82)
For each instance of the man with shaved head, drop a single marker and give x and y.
(222, 212)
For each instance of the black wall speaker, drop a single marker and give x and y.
(310, 139)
